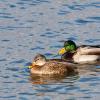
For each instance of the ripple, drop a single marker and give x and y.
(56, 46)
(48, 54)
(13, 69)
(31, 21)
(26, 93)
(95, 4)
(82, 22)
(72, 38)
(50, 34)
(65, 22)
(5, 76)
(37, 48)
(23, 81)
(3, 60)
(92, 40)
(5, 40)
(76, 7)
(63, 12)
(7, 17)
(7, 82)
(33, 3)
(94, 18)
(19, 61)
(7, 14)
(9, 97)
(27, 64)
(12, 6)
(98, 67)
(23, 98)
(88, 79)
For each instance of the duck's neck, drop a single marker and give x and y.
(67, 56)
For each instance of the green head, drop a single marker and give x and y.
(70, 46)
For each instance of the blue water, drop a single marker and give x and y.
(28, 27)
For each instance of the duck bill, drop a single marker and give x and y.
(62, 51)
(30, 67)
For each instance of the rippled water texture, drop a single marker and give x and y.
(28, 27)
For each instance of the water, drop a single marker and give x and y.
(28, 27)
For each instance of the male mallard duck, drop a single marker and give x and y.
(41, 65)
(81, 54)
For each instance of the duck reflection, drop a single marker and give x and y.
(47, 79)
(89, 69)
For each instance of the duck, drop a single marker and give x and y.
(79, 54)
(43, 66)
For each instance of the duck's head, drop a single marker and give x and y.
(69, 46)
(39, 60)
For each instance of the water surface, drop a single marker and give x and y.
(28, 27)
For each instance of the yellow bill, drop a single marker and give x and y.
(29, 67)
(62, 51)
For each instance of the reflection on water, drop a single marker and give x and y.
(89, 69)
(28, 27)
(49, 79)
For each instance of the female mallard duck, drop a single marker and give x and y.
(41, 65)
(81, 54)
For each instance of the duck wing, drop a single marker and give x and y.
(55, 67)
(89, 50)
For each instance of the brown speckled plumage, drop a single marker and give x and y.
(55, 66)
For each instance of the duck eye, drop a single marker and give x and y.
(67, 47)
(37, 59)
(72, 47)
